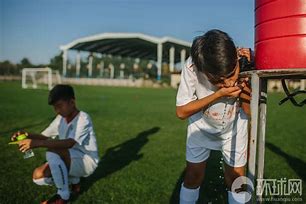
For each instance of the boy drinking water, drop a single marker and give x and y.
(208, 96)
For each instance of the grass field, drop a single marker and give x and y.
(141, 143)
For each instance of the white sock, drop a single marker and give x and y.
(236, 198)
(59, 174)
(74, 180)
(188, 196)
(44, 181)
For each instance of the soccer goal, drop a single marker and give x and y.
(40, 78)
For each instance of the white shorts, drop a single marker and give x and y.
(233, 149)
(81, 164)
(231, 158)
(232, 143)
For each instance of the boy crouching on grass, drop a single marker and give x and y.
(73, 155)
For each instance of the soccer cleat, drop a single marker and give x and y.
(56, 199)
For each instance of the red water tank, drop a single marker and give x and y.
(280, 34)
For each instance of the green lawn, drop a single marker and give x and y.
(141, 143)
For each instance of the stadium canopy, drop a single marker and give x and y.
(134, 45)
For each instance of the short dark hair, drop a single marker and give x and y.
(60, 92)
(214, 53)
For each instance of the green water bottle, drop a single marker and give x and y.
(27, 154)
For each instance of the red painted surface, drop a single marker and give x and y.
(280, 34)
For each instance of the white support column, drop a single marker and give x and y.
(183, 57)
(112, 71)
(90, 60)
(261, 137)
(171, 58)
(159, 60)
(122, 67)
(253, 133)
(78, 64)
(65, 58)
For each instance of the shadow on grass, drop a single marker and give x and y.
(213, 189)
(46, 121)
(118, 157)
(295, 163)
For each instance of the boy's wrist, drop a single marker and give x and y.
(217, 95)
(29, 135)
(39, 143)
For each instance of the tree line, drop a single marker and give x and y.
(9, 68)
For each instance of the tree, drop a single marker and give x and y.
(8, 68)
(25, 63)
(56, 62)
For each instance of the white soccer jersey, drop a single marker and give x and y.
(79, 129)
(216, 124)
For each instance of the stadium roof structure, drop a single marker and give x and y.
(134, 45)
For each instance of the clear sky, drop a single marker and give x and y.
(36, 28)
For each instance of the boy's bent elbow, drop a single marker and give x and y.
(71, 143)
(180, 113)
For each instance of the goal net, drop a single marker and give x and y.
(40, 78)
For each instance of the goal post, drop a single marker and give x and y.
(40, 78)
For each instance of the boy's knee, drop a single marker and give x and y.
(41, 172)
(37, 173)
(193, 179)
